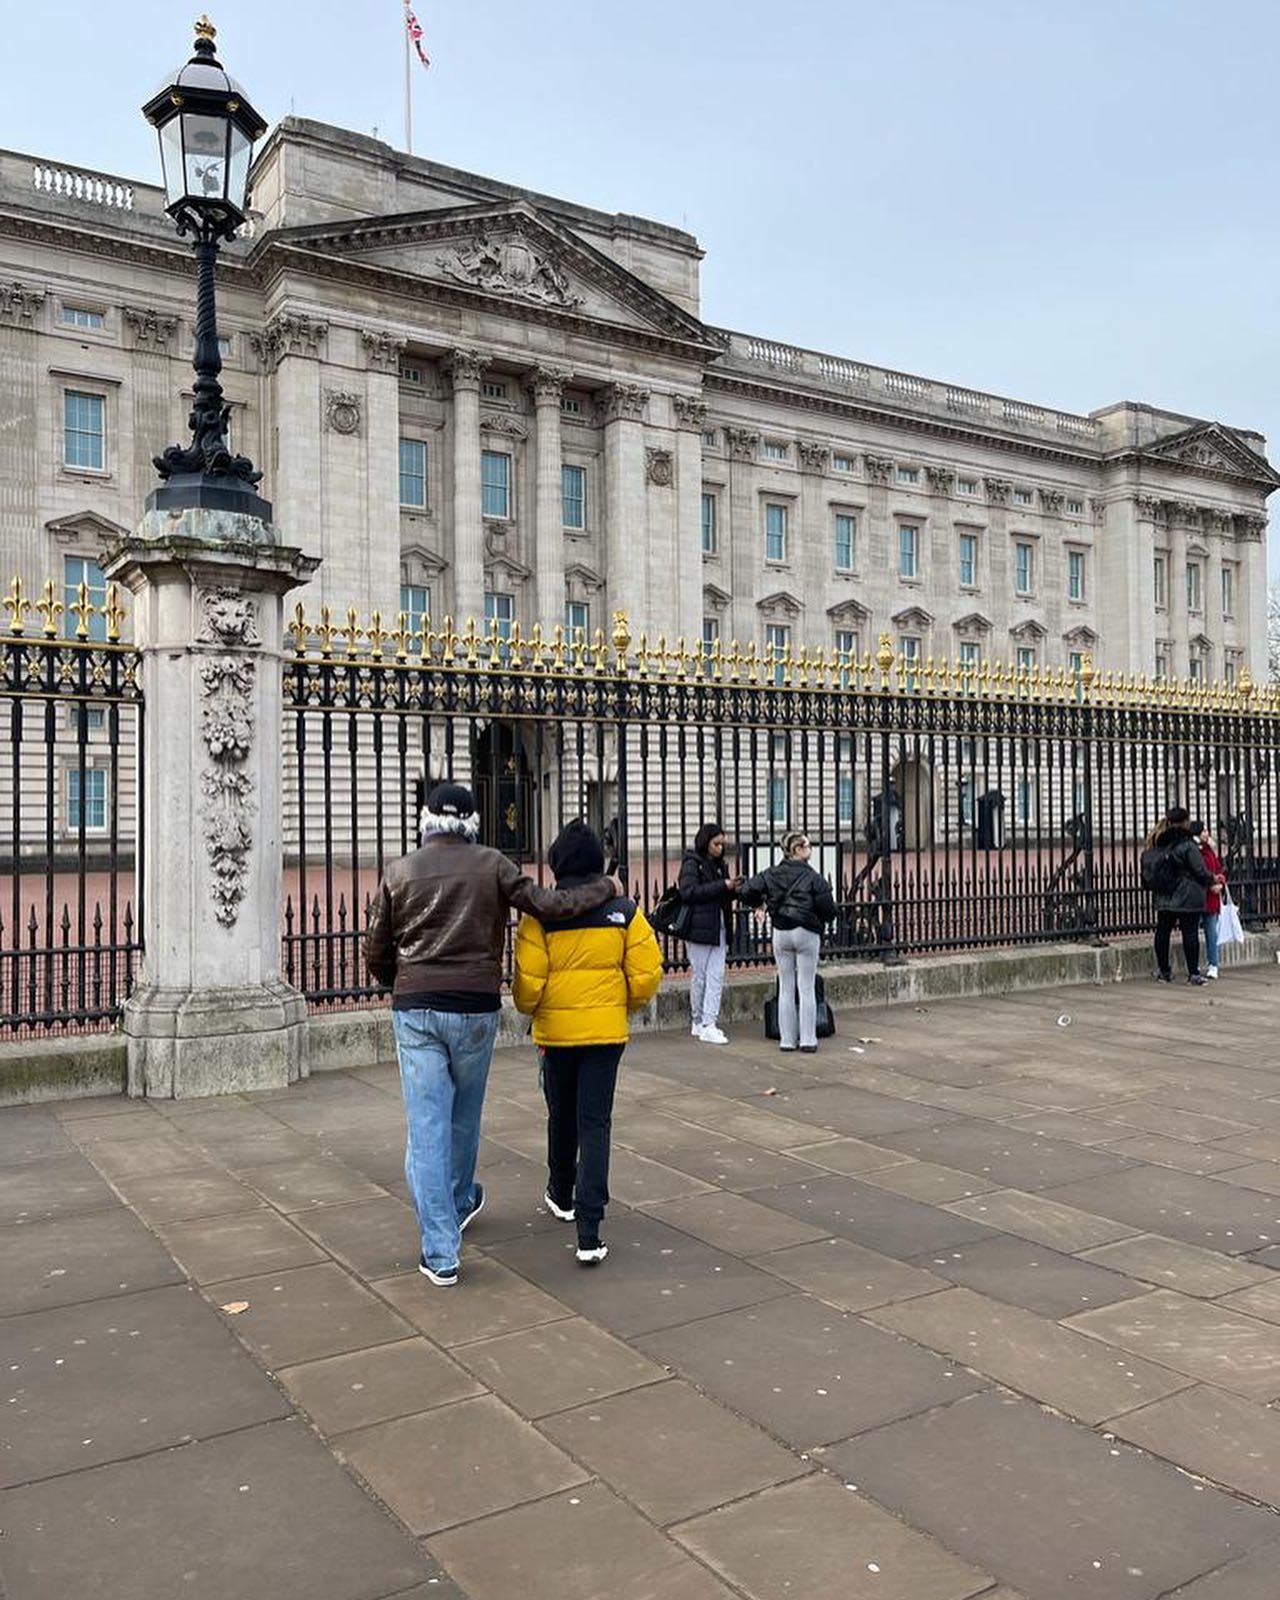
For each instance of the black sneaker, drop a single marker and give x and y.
(591, 1252)
(564, 1213)
(1198, 978)
(475, 1210)
(1164, 977)
(445, 1278)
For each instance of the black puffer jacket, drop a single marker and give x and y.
(704, 886)
(1194, 877)
(796, 895)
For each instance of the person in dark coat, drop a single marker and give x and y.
(707, 888)
(800, 905)
(1183, 905)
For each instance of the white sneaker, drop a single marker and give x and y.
(696, 1030)
(1211, 972)
(713, 1035)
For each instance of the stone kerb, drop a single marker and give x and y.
(212, 1013)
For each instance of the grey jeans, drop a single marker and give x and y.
(707, 983)
(796, 952)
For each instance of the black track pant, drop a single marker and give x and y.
(578, 1083)
(1189, 923)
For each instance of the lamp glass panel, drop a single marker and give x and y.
(238, 181)
(171, 158)
(205, 140)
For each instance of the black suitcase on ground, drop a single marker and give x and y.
(826, 1021)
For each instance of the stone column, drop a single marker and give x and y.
(22, 379)
(1251, 607)
(212, 1013)
(625, 510)
(742, 540)
(814, 559)
(1179, 616)
(464, 368)
(382, 469)
(691, 417)
(289, 348)
(545, 385)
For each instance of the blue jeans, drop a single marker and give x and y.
(1209, 927)
(444, 1067)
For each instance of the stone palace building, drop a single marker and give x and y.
(476, 401)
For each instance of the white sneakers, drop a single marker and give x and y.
(712, 1035)
(1211, 972)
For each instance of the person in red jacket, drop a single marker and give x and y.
(1212, 897)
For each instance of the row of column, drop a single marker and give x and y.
(650, 559)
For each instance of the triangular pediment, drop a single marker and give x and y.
(1081, 638)
(715, 597)
(780, 602)
(1029, 632)
(1214, 450)
(507, 252)
(912, 617)
(86, 524)
(583, 576)
(975, 622)
(503, 569)
(849, 614)
(428, 560)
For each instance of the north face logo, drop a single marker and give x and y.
(620, 917)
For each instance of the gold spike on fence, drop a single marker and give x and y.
(69, 620)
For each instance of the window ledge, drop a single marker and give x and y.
(85, 474)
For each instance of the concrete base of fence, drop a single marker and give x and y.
(188, 1043)
(63, 1069)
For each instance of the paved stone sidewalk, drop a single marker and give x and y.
(980, 1301)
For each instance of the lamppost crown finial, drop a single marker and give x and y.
(205, 29)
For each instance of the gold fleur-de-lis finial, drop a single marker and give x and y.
(16, 605)
(300, 628)
(50, 609)
(82, 609)
(114, 613)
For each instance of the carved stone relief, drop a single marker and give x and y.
(624, 402)
(509, 265)
(151, 330)
(463, 367)
(226, 617)
(1051, 501)
(998, 490)
(657, 467)
(226, 725)
(499, 422)
(289, 334)
(879, 468)
(382, 351)
(342, 411)
(546, 384)
(18, 304)
(1149, 507)
(743, 443)
(941, 479)
(813, 455)
(690, 411)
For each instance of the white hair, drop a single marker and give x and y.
(436, 822)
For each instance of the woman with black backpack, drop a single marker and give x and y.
(706, 890)
(800, 905)
(1174, 869)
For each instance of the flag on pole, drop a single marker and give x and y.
(415, 36)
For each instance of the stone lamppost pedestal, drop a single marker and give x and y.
(212, 1013)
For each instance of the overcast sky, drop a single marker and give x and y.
(1069, 204)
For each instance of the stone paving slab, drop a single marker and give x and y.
(241, 1245)
(203, 1191)
(849, 1156)
(1253, 1577)
(1160, 1151)
(1204, 1339)
(844, 1275)
(376, 1238)
(807, 1373)
(732, 1222)
(497, 1301)
(343, 1393)
(79, 1258)
(1047, 1222)
(924, 1180)
(1009, 1158)
(216, 1519)
(1049, 1506)
(457, 1462)
(556, 1366)
(107, 1378)
(1057, 1366)
(1030, 1275)
(1226, 1439)
(816, 1538)
(1170, 1264)
(581, 1545)
(303, 1313)
(58, 1186)
(635, 1440)
(889, 1223)
(1181, 1205)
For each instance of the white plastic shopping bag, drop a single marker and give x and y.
(1229, 929)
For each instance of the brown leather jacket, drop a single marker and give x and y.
(441, 913)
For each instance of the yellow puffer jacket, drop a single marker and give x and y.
(578, 979)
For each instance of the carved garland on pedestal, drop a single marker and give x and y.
(227, 684)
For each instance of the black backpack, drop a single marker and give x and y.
(671, 914)
(1161, 873)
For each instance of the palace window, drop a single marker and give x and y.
(84, 431)
(710, 636)
(577, 616)
(495, 483)
(908, 550)
(841, 463)
(847, 653)
(710, 527)
(87, 799)
(492, 389)
(1074, 508)
(844, 780)
(1026, 658)
(846, 537)
(775, 450)
(1160, 579)
(777, 638)
(970, 655)
(1075, 574)
(968, 560)
(570, 405)
(908, 475)
(1022, 497)
(1023, 567)
(911, 652)
(710, 438)
(776, 518)
(967, 486)
(500, 609)
(77, 570)
(415, 602)
(413, 472)
(1193, 586)
(573, 496)
(81, 317)
(1228, 591)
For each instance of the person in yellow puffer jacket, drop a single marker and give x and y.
(578, 979)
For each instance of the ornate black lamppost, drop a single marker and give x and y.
(207, 128)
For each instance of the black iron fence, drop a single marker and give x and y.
(951, 808)
(70, 813)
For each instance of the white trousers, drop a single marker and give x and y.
(707, 985)
(796, 952)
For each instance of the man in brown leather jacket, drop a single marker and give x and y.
(435, 938)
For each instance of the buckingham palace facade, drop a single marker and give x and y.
(475, 401)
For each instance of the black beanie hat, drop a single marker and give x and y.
(577, 852)
(451, 800)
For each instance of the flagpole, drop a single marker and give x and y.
(408, 86)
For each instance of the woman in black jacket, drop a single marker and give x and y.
(1182, 902)
(800, 905)
(707, 889)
